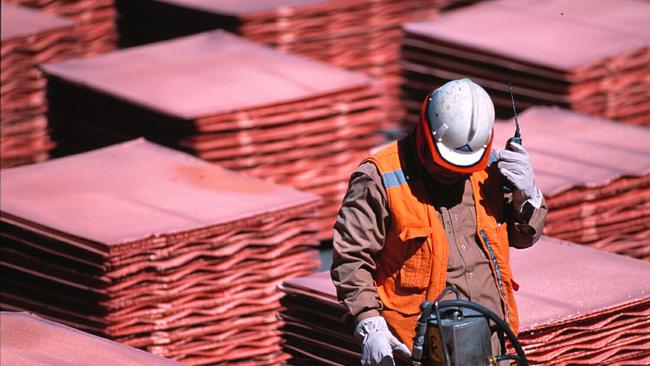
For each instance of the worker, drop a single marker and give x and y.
(430, 211)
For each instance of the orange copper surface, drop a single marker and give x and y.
(591, 57)
(31, 341)
(577, 306)
(155, 249)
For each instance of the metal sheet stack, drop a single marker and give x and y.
(577, 306)
(155, 249)
(28, 340)
(592, 57)
(314, 330)
(595, 175)
(244, 106)
(95, 20)
(28, 39)
(360, 35)
(581, 306)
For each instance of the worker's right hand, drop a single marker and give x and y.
(378, 342)
(514, 164)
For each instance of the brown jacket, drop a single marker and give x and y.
(362, 224)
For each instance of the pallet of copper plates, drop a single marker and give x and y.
(95, 20)
(569, 314)
(360, 35)
(592, 57)
(28, 340)
(577, 306)
(28, 38)
(595, 175)
(242, 105)
(156, 249)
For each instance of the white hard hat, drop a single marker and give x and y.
(457, 121)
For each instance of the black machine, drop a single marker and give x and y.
(458, 333)
(507, 187)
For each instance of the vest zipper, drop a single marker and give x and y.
(498, 273)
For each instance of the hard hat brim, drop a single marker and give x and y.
(459, 159)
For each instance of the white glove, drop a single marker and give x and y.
(515, 166)
(378, 342)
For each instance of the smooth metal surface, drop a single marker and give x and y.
(545, 37)
(359, 35)
(592, 57)
(18, 21)
(31, 341)
(286, 119)
(206, 74)
(137, 190)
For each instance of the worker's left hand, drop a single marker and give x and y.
(515, 166)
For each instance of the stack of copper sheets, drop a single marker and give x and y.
(589, 56)
(28, 340)
(95, 20)
(577, 306)
(28, 39)
(361, 35)
(580, 306)
(155, 249)
(247, 107)
(314, 330)
(595, 175)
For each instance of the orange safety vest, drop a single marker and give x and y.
(412, 266)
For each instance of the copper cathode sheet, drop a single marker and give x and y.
(95, 20)
(19, 21)
(321, 107)
(358, 35)
(29, 37)
(200, 186)
(198, 61)
(598, 80)
(29, 340)
(541, 303)
(586, 35)
(155, 284)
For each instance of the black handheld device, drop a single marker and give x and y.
(507, 186)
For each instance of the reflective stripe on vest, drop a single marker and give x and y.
(393, 179)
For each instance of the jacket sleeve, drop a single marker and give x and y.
(359, 233)
(525, 228)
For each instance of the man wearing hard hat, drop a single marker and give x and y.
(429, 211)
